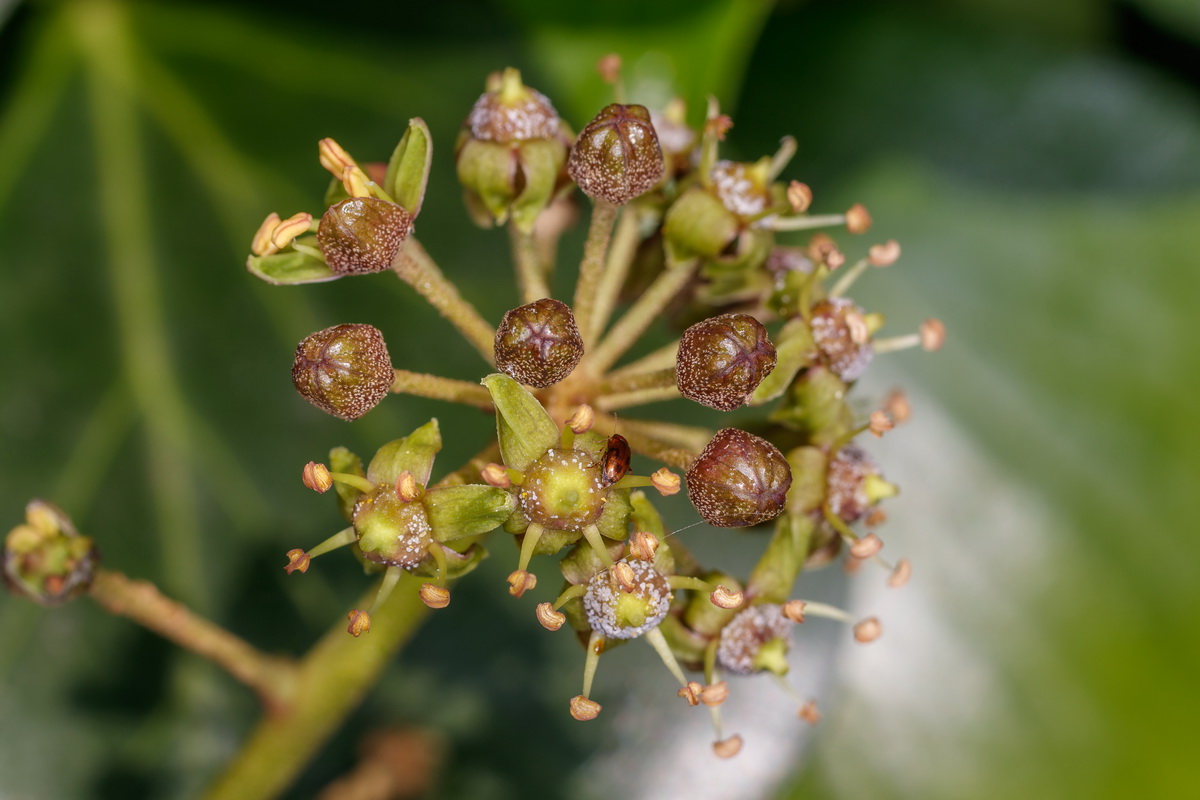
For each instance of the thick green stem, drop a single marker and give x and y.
(620, 258)
(332, 680)
(637, 397)
(414, 266)
(590, 270)
(629, 382)
(531, 276)
(689, 437)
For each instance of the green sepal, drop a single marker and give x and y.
(794, 350)
(408, 168)
(552, 542)
(701, 615)
(816, 407)
(342, 460)
(697, 225)
(775, 573)
(541, 163)
(456, 512)
(524, 429)
(289, 268)
(487, 171)
(414, 453)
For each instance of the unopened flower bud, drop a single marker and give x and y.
(858, 220)
(616, 156)
(344, 370)
(550, 619)
(46, 560)
(728, 748)
(538, 343)
(298, 561)
(362, 234)
(360, 623)
(316, 477)
(868, 630)
(584, 709)
(722, 359)
(434, 596)
(738, 480)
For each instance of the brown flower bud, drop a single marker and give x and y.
(362, 234)
(538, 343)
(344, 370)
(722, 359)
(617, 157)
(738, 480)
(512, 112)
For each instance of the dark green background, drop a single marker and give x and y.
(1039, 162)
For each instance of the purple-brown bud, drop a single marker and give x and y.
(721, 360)
(617, 156)
(362, 234)
(739, 480)
(344, 370)
(538, 343)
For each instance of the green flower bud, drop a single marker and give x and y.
(538, 343)
(344, 370)
(756, 640)
(627, 611)
(738, 480)
(840, 331)
(46, 560)
(721, 360)
(511, 152)
(362, 234)
(617, 157)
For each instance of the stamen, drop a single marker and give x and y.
(897, 406)
(624, 575)
(261, 244)
(496, 475)
(297, 560)
(550, 619)
(407, 488)
(434, 596)
(787, 149)
(867, 546)
(643, 546)
(868, 630)
(900, 574)
(809, 712)
(714, 694)
(583, 419)
(858, 220)
(933, 334)
(799, 197)
(723, 597)
(691, 693)
(794, 610)
(360, 623)
(316, 477)
(884, 255)
(520, 581)
(666, 482)
(340, 539)
(584, 709)
(728, 748)
(879, 423)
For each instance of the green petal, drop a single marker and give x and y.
(408, 168)
(794, 350)
(456, 512)
(414, 453)
(342, 460)
(290, 267)
(524, 429)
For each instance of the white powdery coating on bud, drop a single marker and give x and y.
(532, 118)
(742, 638)
(604, 592)
(737, 191)
(846, 482)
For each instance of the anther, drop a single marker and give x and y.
(261, 244)
(884, 255)
(857, 219)
(520, 581)
(290, 228)
(550, 619)
(624, 575)
(407, 488)
(584, 709)
(496, 475)
(728, 748)
(360, 623)
(722, 597)
(583, 419)
(298, 561)
(810, 713)
(879, 423)
(714, 694)
(643, 546)
(691, 693)
(867, 546)
(794, 610)
(868, 630)
(900, 574)
(666, 482)
(434, 596)
(933, 334)
(897, 406)
(799, 197)
(316, 477)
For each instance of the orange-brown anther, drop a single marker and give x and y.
(624, 575)
(719, 126)
(835, 259)
(360, 623)
(868, 630)
(496, 475)
(867, 546)
(933, 334)
(298, 561)
(584, 709)
(728, 748)
(857, 326)
(897, 406)
(691, 693)
(550, 619)
(857, 219)
(879, 423)
(334, 158)
(290, 228)
(876, 518)
(666, 482)
(900, 574)
(407, 488)
(794, 610)
(884, 255)
(722, 597)
(583, 419)
(799, 197)
(714, 693)
(643, 546)
(520, 581)
(810, 713)
(609, 67)
(261, 244)
(434, 596)
(316, 477)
